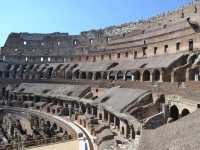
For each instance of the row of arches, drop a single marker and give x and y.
(175, 113)
(48, 72)
(146, 75)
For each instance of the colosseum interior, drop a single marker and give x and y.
(133, 86)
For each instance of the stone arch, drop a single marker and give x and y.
(133, 132)
(83, 108)
(48, 109)
(90, 75)
(174, 112)
(120, 75)
(97, 75)
(76, 74)
(88, 108)
(49, 72)
(180, 75)
(1, 74)
(24, 98)
(193, 74)
(156, 75)
(123, 130)
(161, 99)
(11, 97)
(68, 75)
(4, 91)
(129, 75)
(137, 76)
(146, 75)
(7, 74)
(185, 112)
(105, 75)
(111, 75)
(83, 75)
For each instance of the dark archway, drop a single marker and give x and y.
(137, 76)
(156, 75)
(68, 75)
(133, 133)
(4, 91)
(1, 74)
(120, 75)
(49, 73)
(146, 75)
(161, 99)
(98, 76)
(83, 75)
(123, 131)
(83, 108)
(7, 74)
(76, 74)
(90, 75)
(174, 112)
(105, 75)
(129, 76)
(111, 75)
(185, 112)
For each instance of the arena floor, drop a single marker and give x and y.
(72, 145)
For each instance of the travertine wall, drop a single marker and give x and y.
(158, 35)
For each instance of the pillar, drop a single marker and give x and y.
(93, 76)
(108, 76)
(87, 109)
(151, 77)
(115, 122)
(80, 109)
(109, 118)
(131, 131)
(115, 76)
(172, 77)
(161, 76)
(124, 76)
(92, 109)
(79, 76)
(187, 78)
(141, 77)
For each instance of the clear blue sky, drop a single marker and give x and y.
(74, 16)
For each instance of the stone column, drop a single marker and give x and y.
(161, 76)
(131, 131)
(126, 130)
(124, 77)
(151, 77)
(87, 75)
(115, 76)
(115, 122)
(80, 109)
(107, 76)
(92, 109)
(187, 78)
(172, 77)
(141, 76)
(87, 110)
(93, 76)
(103, 116)
(109, 117)
(70, 110)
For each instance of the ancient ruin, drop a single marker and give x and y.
(133, 86)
